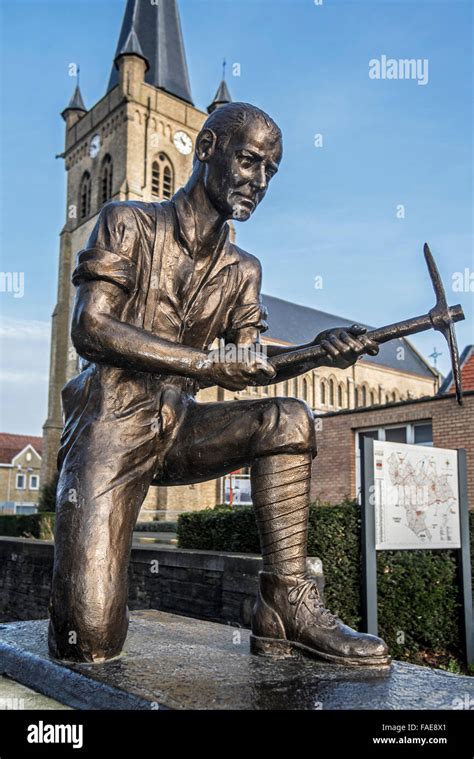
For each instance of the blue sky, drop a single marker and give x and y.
(331, 212)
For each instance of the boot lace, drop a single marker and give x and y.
(307, 592)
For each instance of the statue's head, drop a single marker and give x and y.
(238, 151)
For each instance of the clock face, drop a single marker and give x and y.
(183, 142)
(94, 146)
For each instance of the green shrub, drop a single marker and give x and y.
(334, 536)
(419, 601)
(155, 526)
(47, 499)
(40, 525)
(219, 530)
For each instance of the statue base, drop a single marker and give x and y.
(175, 662)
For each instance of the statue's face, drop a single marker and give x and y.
(237, 176)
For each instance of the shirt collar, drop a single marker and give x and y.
(225, 251)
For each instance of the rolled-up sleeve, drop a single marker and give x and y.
(248, 311)
(250, 315)
(110, 253)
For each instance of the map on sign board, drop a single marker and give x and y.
(416, 497)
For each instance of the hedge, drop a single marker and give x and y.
(419, 600)
(40, 525)
(155, 526)
(47, 499)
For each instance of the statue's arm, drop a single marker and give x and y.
(99, 335)
(105, 277)
(342, 346)
(247, 320)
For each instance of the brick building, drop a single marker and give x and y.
(437, 421)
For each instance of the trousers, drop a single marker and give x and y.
(103, 481)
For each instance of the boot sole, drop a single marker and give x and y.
(277, 648)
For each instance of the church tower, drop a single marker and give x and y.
(136, 143)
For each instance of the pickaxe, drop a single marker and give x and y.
(441, 317)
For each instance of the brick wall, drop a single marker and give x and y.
(334, 469)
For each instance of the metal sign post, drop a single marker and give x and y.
(465, 556)
(370, 538)
(369, 554)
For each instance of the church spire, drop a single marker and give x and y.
(153, 32)
(222, 96)
(76, 103)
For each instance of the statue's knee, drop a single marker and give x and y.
(291, 423)
(300, 421)
(88, 614)
(77, 637)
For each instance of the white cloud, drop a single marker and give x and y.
(21, 329)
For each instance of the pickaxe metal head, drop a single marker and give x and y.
(443, 317)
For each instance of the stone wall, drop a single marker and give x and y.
(217, 586)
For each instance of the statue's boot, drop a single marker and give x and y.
(289, 615)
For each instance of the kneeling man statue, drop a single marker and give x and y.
(156, 285)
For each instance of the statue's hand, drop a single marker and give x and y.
(344, 345)
(254, 369)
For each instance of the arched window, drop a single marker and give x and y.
(364, 395)
(305, 389)
(356, 397)
(331, 392)
(106, 180)
(322, 392)
(162, 177)
(155, 179)
(387, 399)
(85, 196)
(295, 387)
(340, 396)
(167, 182)
(394, 396)
(372, 398)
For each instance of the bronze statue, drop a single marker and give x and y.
(156, 285)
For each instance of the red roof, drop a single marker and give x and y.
(11, 445)
(467, 371)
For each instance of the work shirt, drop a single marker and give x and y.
(150, 251)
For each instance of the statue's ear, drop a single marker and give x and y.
(206, 144)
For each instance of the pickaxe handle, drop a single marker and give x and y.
(441, 317)
(412, 326)
(383, 335)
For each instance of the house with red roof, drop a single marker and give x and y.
(20, 464)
